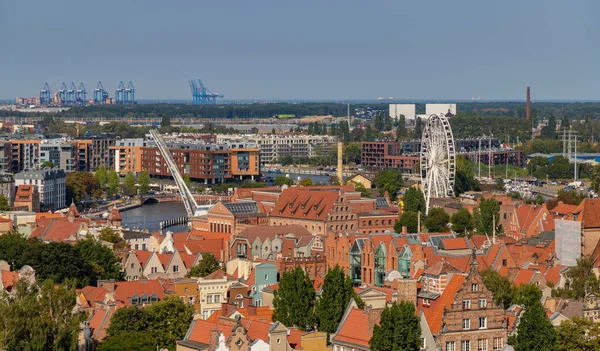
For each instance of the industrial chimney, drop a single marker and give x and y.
(528, 107)
(340, 163)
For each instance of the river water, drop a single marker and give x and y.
(149, 216)
(297, 177)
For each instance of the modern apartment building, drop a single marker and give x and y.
(50, 183)
(273, 147)
(201, 161)
(24, 155)
(7, 187)
(60, 152)
(386, 154)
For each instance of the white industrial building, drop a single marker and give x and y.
(436, 109)
(408, 110)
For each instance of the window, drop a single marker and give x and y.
(474, 287)
(175, 268)
(450, 346)
(466, 304)
(423, 343)
(426, 302)
(209, 299)
(153, 270)
(498, 343)
(482, 303)
(143, 246)
(466, 324)
(185, 289)
(137, 246)
(132, 265)
(504, 262)
(190, 299)
(217, 298)
(266, 277)
(482, 345)
(465, 345)
(482, 323)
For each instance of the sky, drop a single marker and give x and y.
(310, 49)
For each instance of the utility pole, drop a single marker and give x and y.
(490, 160)
(479, 160)
(575, 158)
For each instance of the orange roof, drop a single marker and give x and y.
(589, 213)
(478, 240)
(188, 260)
(442, 267)
(55, 229)
(99, 322)
(305, 203)
(553, 274)
(93, 294)
(213, 246)
(143, 256)
(164, 259)
(126, 290)
(377, 239)
(200, 330)
(563, 209)
(523, 277)
(47, 215)
(9, 279)
(251, 278)
(455, 243)
(434, 315)
(355, 329)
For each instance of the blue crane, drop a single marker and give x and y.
(120, 94)
(100, 95)
(130, 94)
(201, 95)
(71, 94)
(81, 94)
(62, 94)
(45, 97)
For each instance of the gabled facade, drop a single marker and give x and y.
(265, 274)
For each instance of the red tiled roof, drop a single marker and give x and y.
(442, 267)
(200, 330)
(589, 213)
(523, 277)
(143, 256)
(355, 329)
(434, 315)
(270, 232)
(164, 259)
(455, 243)
(305, 203)
(564, 209)
(125, 290)
(93, 294)
(553, 274)
(188, 260)
(99, 321)
(55, 229)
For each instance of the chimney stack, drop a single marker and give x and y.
(340, 163)
(528, 105)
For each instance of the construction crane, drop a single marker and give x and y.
(191, 206)
(100, 95)
(81, 94)
(45, 97)
(120, 94)
(201, 95)
(130, 94)
(71, 93)
(62, 94)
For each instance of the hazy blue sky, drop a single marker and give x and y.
(310, 49)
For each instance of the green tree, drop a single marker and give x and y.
(129, 184)
(129, 341)
(101, 176)
(549, 131)
(389, 180)
(413, 200)
(294, 301)
(306, 182)
(129, 319)
(206, 266)
(408, 219)
(399, 329)
(462, 222)
(80, 185)
(169, 320)
(578, 334)
(437, 220)
(252, 184)
(401, 130)
(187, 180)
(336, 293)
(4, 205)
(102, 259)
(579, 279)
(144, 182)
(488, 212)
(165, 122)
(283, 180)
(47, 164)
(417, 134)
(535, 331)
(334, 180)
(12, 247)
(113, 183)
(352, 152)
(364, 192)
(109, 235)
(465, 178)
(500, 286)
(39, 317)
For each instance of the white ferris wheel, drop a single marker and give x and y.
(438, 159)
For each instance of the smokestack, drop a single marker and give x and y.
(528, 107)
(340, 164)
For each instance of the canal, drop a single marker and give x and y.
(149, 216)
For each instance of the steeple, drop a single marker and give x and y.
(474, 265)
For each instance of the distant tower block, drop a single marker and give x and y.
(528, 106)
(340, 163)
